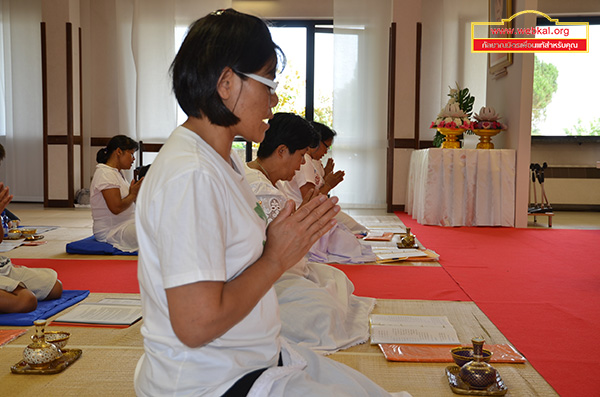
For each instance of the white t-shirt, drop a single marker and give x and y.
(118, 229)
(319, 169)
(198, 220)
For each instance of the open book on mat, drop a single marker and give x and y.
(109, 312)
(430, 330)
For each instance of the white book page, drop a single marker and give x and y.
(117, 301)
(435, 330)
(102, 314)
(413, 335)
(399, 319)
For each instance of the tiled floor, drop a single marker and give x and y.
(560, 220)
(76, 223)
(36, 214)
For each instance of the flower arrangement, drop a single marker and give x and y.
(455, 114)
(487, 119)
(452, 116)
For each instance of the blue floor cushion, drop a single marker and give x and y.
(45, 309)
(91, 246)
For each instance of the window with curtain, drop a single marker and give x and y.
(360, 87)
(20, 98)
(306, 82)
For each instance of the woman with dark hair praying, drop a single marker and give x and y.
(112, 198)
(207, 261)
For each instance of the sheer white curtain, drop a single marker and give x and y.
(153, 48)
(4, 36)
(21, 98)
(360, 99)
(130, 48)
(130, 91)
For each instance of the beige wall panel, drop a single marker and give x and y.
(77, 168)
(571, 191)
(401, 164)
(57, 173)
(406, 15)
(565, 154)
(76, 85)
(56, 71)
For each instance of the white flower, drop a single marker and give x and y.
(487, 114)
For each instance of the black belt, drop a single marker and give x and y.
(245, 383)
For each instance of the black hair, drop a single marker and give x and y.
(287, 129)
(224, 38)
(2, 152)
(325, 132)
(122, 142)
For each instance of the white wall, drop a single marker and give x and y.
(287, 9)
(446, 59)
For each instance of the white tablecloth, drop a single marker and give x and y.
(462, 187)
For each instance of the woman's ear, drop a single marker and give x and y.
(281, 149)
(226, 83)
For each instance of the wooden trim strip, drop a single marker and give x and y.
(44, 109)
(572, 173)
(70, 127)
(407, 143)
(389, 189)
(80, 136)
(57, 204)
(418, 83)
(397, 207)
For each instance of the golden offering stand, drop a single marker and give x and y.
(485, 138)
(451, 137)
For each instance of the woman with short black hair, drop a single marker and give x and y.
(207, 262)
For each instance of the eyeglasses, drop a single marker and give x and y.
(269, 83)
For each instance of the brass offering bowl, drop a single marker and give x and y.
(463, 355)
(57, 338)
(27, 232)
(14, 234)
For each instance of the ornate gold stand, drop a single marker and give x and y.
(451, 137)
(485, 138)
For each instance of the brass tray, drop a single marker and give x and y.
(60, 364)
(459, 387)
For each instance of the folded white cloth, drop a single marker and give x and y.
(305, 373)
(340, 245)
(319, 311)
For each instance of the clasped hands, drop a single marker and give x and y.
(293, 232)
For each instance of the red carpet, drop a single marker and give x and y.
(403, 282)
(540, 287)
(95, 275)
(384, 282)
